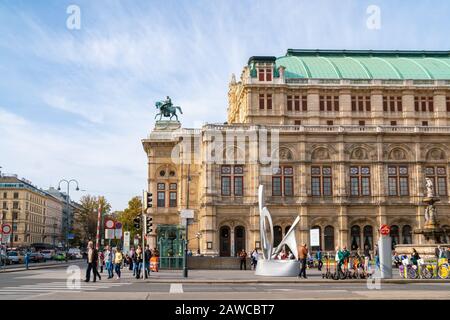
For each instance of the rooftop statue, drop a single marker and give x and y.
(167, 109)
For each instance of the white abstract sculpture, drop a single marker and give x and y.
(268, 266)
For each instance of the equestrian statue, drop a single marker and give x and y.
(167, 109)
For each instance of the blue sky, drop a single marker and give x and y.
(76, 103)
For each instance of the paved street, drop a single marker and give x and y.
(203, 284)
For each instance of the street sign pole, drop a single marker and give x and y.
(385, 252)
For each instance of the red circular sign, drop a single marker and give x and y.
(109, 224)
(385, 230)
(6, 229)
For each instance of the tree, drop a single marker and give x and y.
(86, 219)
(129, 214)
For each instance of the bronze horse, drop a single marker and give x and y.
(167, 111)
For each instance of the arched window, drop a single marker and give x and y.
(355, 234)
(395, 235)
(329, 238)
(368, 237)
(239, 239)
(286, 229)
(225, 241)
(277, 235)
(320, 234)
(407, 234)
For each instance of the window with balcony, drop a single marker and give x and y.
(438, 175)
(283, 181)
(321, 181)
(398, 178)
(360, 181)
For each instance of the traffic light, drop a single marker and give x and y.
(149, 224)
(137, 222)
(148, 200)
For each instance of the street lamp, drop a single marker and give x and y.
(68, 182)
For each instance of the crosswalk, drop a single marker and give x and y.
(55, 287)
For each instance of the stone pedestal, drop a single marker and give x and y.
(167, 125)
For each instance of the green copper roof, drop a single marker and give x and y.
(366, 64)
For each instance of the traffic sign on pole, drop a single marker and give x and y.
(6, 229)
(109, 224)
(385, 230)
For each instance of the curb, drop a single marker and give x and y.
(55, 265)
(362, 281)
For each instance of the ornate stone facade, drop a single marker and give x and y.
(346, 155)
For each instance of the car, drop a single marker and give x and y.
(59, 256)
(75, 253)
(48, 254)
(4, 260)
(16, 257)
(36, 257)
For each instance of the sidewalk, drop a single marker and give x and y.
(248, 276)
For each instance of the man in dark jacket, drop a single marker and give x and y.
(147, 257)
(243, 259)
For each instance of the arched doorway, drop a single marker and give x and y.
(239, 239)
(225, 245)
(395, 236)
(277, 235)
(355, 234)
(407, 234)
(329, 238)
(368, 237)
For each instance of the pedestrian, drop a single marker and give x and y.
(243, 259)
(377, 257)
(319, 259)
(101, 260)
(447, 254)
(339, 258)
(90, 261)
(109, 261)
(254, 257)
(138, 262)
(302, 256)
(414, 257)
(118, 257)
(27, 259)
(147, 257)
(366, 258)
(130, 259)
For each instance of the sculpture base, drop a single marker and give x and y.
(164, 125)
(433, 234)
(278, 268)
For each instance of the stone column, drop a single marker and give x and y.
(408, 108)
(345, 108)
(313, 107)
(232, 253)
(440, 109)
(343, 227)
(304, 225)
(376, 104)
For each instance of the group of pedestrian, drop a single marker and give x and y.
(113, 260)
